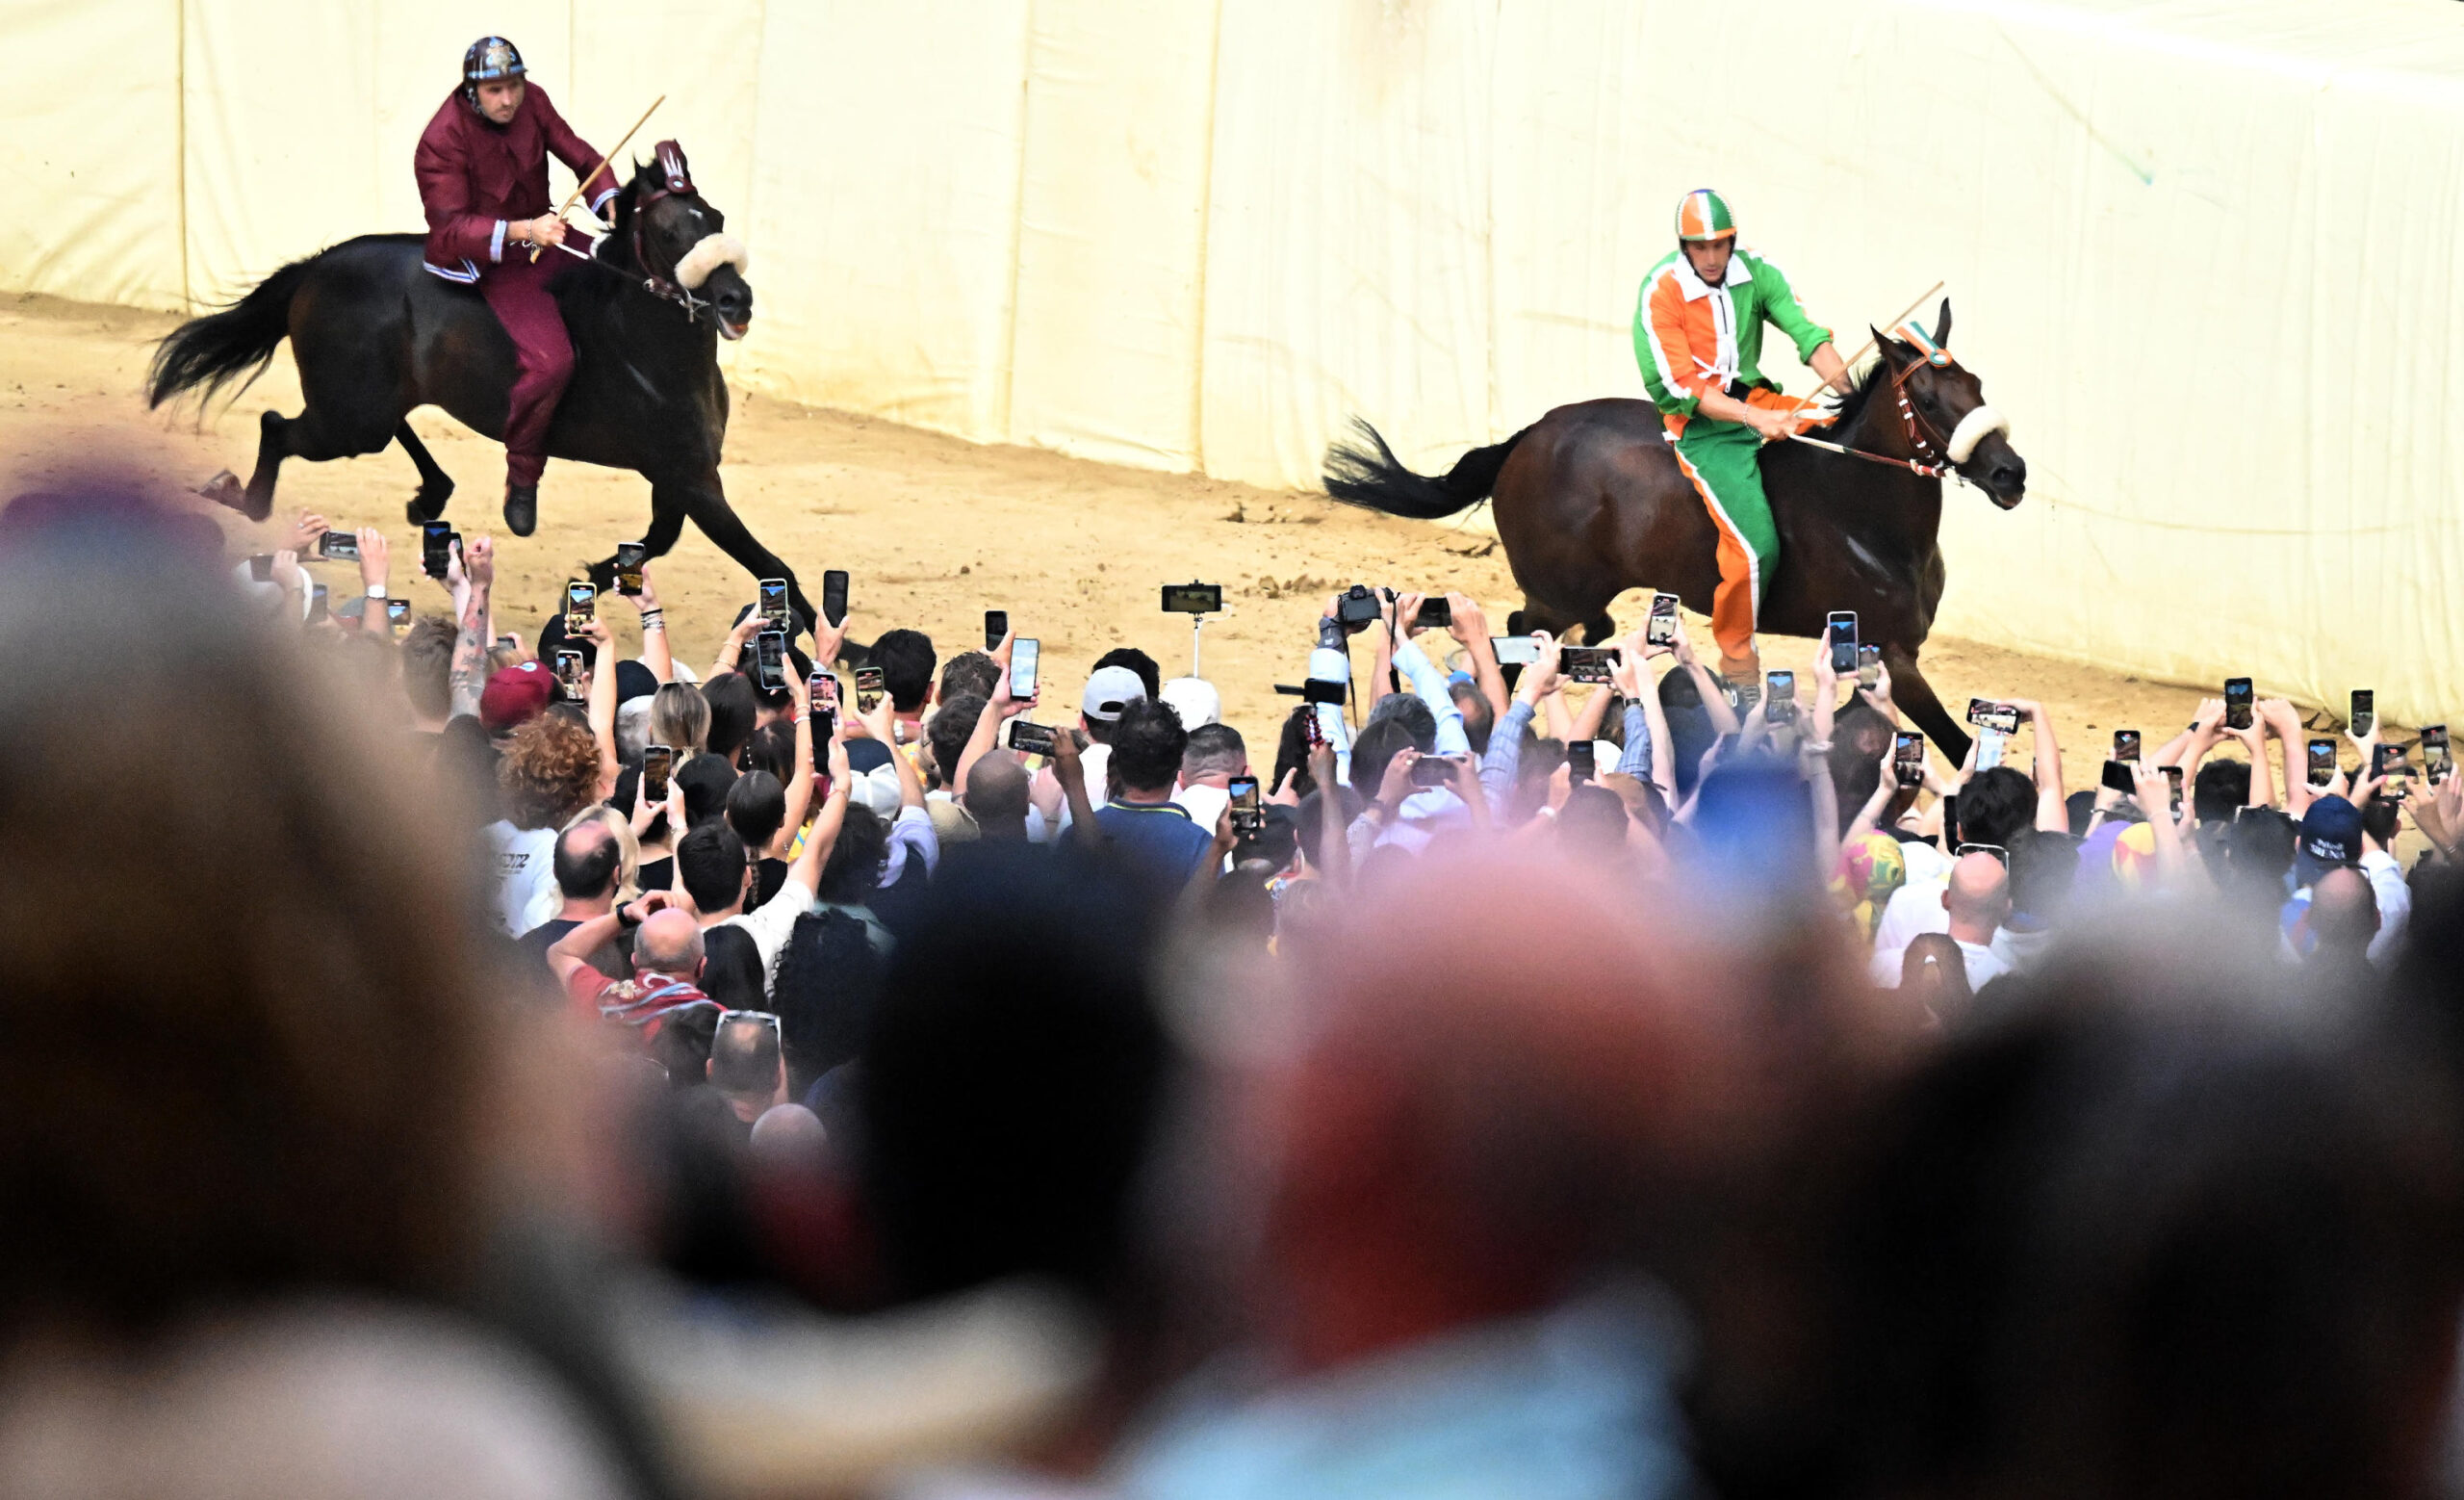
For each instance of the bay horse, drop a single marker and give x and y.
(1590, 501)
(375, 335)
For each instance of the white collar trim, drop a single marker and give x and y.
(1696, 288)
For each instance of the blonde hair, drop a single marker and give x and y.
(681, 719)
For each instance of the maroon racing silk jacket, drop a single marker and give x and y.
(474, 176)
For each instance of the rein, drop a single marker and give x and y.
(675, 181)
(1931, 446)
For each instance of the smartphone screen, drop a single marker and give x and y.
(2387, 763)
(435, 537)
(772, 601)
(1247, 816)
(1193, 598)
(2437, 760)
(2126, 746)
(834, 597)
(2365, 712)
(770, 660)
(629, 558)
(1841, 629)
(568, 673)
(996, 626)
(1661, 628)
(1511, 650)
(1579, 762)
(1908, 759)
(261, 567)
(397, 615)
(1869, 666)
(1023, 652)
(868, 688)
(2120, 776)
(1583, 663)
(1436, 615)
(2322, 762)
(338, 545)
(2237, 703)
(1995, 716)
(1781, 687)
(824, 686)
(2173, 775)
(581, 603)
(1029, 738)
(656, 761)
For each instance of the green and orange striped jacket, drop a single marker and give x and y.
(1690, 337)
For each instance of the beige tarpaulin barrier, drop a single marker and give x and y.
(2204, 252)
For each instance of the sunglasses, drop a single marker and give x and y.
(760, 1017)
(1994, 849)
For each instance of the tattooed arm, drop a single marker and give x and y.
(471, 647)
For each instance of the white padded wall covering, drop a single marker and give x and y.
(1112, 230)
(89, 145)
(886, 208)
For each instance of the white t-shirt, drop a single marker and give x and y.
(1203, 803)
(1095, 760)
(524, 867)
(1915, 909)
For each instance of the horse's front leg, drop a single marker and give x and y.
(706, 502)
(1912, 693)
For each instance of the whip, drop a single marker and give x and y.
(583, 186)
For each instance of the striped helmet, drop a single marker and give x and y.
(488, 60)
(1704, 214)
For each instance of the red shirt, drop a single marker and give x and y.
(643, 1002)
(474, 176)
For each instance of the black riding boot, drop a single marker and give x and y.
(522, 508)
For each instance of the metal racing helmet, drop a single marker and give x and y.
(1704, 214)
(487, 60)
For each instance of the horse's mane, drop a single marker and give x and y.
(1862, 383)
(615, 247)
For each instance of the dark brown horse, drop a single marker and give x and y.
(1590, 503)
(375, 336)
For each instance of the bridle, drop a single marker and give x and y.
(1938, 454)
(675, 181)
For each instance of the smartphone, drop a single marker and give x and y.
(2365, 712)
(338, 545)
(1841, 629)
(2237, 703)
(770, 599)
(2387, 763)
(397, 615)
(1249, 819)
(1993, 716)
(2126, 747)
(261, 567)
(1023, 652)
(823, 688)
(2322, 762)
(656, 762)
(435, 538)
(1989, 749)
(1660, 628)
(824, 684)
(1029, 738)
(1433, 770)
(509, 641)
(2122, 776)
(1781, 687)
(629, 558)
(568, 673)
(317, 600)
(1869, 666)
(868, 688)
(581, 604)
(996, 628)
(1584, 663)
(770, 660)
(2174, 776)
(2437, 760)
(1511, 650)
(1436, 615)
(1193, 598)
(1319, 690)
(1579, 762)
(1908, 759)
(834, 597)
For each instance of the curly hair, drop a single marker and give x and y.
(550, 772)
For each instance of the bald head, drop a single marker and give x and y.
(2344, 912)
(996, 796)
(668, 944)
(1978, 897)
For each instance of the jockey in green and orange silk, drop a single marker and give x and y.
(1698, 335)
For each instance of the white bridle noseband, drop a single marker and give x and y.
(1974, 429)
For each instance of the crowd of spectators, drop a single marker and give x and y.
(434, 1070)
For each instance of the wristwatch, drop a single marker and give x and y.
(376, 591)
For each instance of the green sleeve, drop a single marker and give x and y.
(1677, 402)
(1780, 305)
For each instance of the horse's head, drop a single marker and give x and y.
(670, 234)
(1947, 403)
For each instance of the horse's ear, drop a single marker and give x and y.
(1942, 327)
(1892, 350)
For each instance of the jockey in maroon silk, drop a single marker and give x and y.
(482, 165)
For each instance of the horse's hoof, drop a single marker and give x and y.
(425, 507)
(224, 489)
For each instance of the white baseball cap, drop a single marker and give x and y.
(1195, 699)
(1109, 690)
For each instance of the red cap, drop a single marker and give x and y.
(515, 695)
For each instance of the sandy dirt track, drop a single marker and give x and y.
(933, 529)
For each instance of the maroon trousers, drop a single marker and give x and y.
(517, 289)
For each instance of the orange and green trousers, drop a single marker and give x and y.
(1723, 462)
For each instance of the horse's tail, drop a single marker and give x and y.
(1361, 470)
(208, 354)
